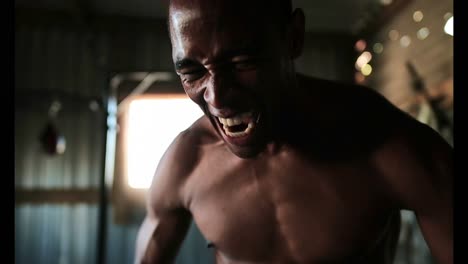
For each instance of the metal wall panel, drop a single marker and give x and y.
(70, 65)
(55, 234)
(81, 164)
(54, 59)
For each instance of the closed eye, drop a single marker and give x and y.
(189, 70)
(244, 63)
(188, 75)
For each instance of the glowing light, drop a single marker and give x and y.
(448, 28)
(362, 60)
(366, 70)
(360, 45)
(418, 16)
(359, 78)
(393, 34)
(378, 48)
(386, 2)
(61, 145)
(447, 16)
(423, 33)
(152, 126)
(405, 41)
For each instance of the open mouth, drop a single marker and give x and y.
(240, 125)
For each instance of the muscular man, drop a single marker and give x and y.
(285, 168)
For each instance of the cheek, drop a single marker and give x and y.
(194, 94)
(250, 81)
(248, 78)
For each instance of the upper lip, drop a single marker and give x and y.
(224, 113)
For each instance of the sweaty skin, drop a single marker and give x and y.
(320, 175)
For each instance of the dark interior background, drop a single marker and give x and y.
(70, 209)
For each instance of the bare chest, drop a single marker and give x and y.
(288, 209)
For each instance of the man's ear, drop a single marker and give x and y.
(296, 33)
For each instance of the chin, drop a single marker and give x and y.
(245, 152)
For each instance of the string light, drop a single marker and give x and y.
(405, 41)
(377, 48)
(362, 60)
(362, 65)
(359, 77)
(360, 45)
(386, 2)
(448, 28)
(393, 34)
(447, 16)
(418, 16)
(366, 70)
(423, 33)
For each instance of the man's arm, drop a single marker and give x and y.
(159, 237)
(167, 219)
(419, 172)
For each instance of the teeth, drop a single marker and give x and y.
(247, 131)
(237, 120)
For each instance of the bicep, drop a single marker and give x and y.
(160, 236)
(419, 173)
(437, 229)
(167, 219)
(435, 215)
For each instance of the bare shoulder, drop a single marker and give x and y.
(351, 105)
(354, 120)
(167, 216)
(418, 142)
(177, 165)
(417, 163)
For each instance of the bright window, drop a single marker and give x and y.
(153, 123)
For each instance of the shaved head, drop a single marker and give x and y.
(237, 56)
(278, 11)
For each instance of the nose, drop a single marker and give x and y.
(218, 90)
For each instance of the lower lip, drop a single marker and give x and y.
(239, 141)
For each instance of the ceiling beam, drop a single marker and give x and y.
(56, 196)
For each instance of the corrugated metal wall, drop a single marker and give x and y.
(52, 63)
(81, 164)
(58, 60)
(66, 62)
(55, 233)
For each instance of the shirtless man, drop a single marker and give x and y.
(285, 168)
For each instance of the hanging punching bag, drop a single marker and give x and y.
(52, 141)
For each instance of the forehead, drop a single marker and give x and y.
(219, 15)
(220, 25)
(220, 8)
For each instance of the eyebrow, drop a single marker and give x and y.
(182, 63)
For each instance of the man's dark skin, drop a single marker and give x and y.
(318, 174)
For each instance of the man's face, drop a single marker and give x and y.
(234, 64)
